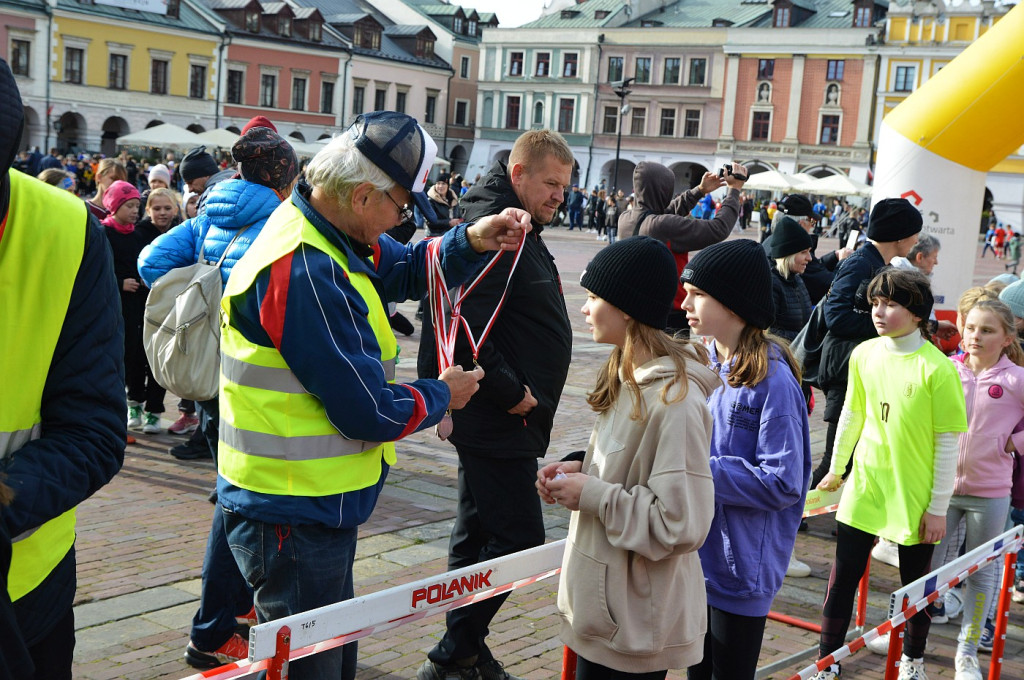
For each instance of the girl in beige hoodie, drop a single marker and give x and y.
(631, 594)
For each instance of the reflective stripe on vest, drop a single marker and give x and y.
(42, 242)
(275, 438)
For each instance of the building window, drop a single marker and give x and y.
(538, 113)
(862, 17)
(472, 30)
(315, 31)
(431, 111)
(611, 120)
(668, 123)
(380, 99)
(698, 71)
(358, 99)
(830, 130)
(638, 126)
(367, 36)
(424, 48)
(464, 68)
(268, 90)
(835, 69)
(765, 69)
(512, 113)
(762, 121)
(614, 69)
(543, 64)
(252, 21)
(566, 110)
(284, 26)
(236, 83)
(781, 17)
(671, 75)
(904, 79)
(73, 58)
(326, 97)
(197, 82)
(400, 98)
(298, 94)
(118, 77)
(461, 112)
(643, 69)
(691, 125)
(457, 25)
(515, 64)
(569, 65)
(158, 77)
(20, 57)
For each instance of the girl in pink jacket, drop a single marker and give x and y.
(993, 380)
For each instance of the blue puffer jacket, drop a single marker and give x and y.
(231, 205)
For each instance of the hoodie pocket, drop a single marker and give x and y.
(586, 596)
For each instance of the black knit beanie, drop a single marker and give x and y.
(893, 219)
(737, 274)
(637, 275)
(789, 237)
(197, 163)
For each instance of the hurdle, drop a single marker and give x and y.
(929, 588)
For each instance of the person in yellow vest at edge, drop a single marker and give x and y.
(310, 409)
(62, 401)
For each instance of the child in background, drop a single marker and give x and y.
(190, 204)
(145, 395)
(990, 240)
(1012, 251)
(611, 219)
(903, 411)
(161, 214)
(760, 453)
(1000, 240)
(631, 592)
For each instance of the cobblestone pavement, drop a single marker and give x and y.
(141, 541)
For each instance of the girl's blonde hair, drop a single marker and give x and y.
(969, 299)
(113, 168)
(753, 357)
(1009, 323)
(640, 337)
(166, 193)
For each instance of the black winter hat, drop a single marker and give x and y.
(737, 274)
(637, 275)
(796, 205)
(197, 163)
(789, 237)
(893, 219)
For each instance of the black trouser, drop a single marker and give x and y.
(209, 423)
(53, 654)
(588, 670)
(142, 386)
(853, 549)
(498, 514)
(732, 646)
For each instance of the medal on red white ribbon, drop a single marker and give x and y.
(445, 313)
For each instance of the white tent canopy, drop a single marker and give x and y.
(163, 135)
(835, 185)
(224, 139)
(770, 180)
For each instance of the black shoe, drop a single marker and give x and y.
(402, 325)
(494, 670)
(188, 452)
(212, 497)
(433, 671)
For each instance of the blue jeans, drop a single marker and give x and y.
(575, 219)
(225, 593)
(295, 569)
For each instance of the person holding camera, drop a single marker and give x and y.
(665, 217)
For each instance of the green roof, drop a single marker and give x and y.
(188, 18)
(579, 16)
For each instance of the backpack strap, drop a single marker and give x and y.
(202, 250)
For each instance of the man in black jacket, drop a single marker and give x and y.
(507, 425)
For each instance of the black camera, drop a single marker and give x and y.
(727, 170)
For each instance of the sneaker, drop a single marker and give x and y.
(234, 649)
(188, 452)
(134, 416)
(937, 611)
(494, 670)
(185, 424)
(911, 669)
(1018, 591)
(797, 569)
(886, 552)
(967, 667)
(432, 671)
(880, 645)
(248, 619)
(830, 673)
(954, 603)
(130, 440)
(152, 425)
(988, 638)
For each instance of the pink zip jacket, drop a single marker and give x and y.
(995, 413)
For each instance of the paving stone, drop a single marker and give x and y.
(417, 554)
(127, 606)
(430, 532)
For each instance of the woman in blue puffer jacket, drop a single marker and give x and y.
(269, 169)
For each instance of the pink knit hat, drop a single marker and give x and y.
(117, 194)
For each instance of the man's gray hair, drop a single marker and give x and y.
(926, 245)
(340, 167)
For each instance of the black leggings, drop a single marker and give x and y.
(732, 646)
(853, 549)
(588, 670)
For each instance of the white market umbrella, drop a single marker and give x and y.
(224, 139)
(835, 185)
(770, 180)
(304, 149)
(163, 135)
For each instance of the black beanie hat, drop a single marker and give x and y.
(737, 274)
(637, 275)
(789, 237)
(893, 219)
(197, 163)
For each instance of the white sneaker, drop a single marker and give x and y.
(911, 669)
(830, 673)
(967, 667)
(954, 603)
(134, 415)
(880, 645)
(797, 569)
(886, 552)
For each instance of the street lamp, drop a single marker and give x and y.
(621, 88)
